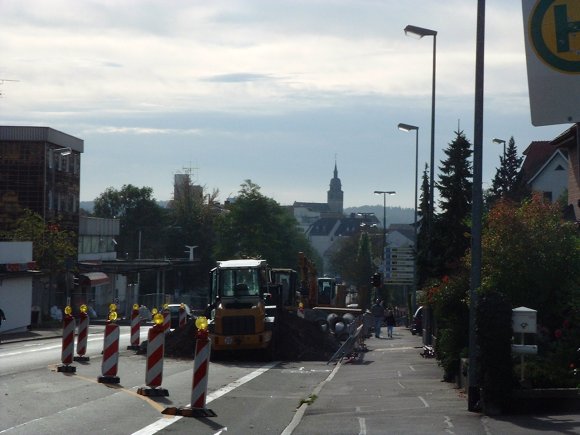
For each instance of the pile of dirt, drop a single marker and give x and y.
(303, 340)
(295, 339)
(180, 343)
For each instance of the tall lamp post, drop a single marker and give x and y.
(408, 128)
(496, 140)
(384, 193)
(421, 32)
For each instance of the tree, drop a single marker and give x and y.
(256, 226)
(193, 222)
(142, 219)
(507, 182)
(532, 256)
(452, 224)
(53, 249)
(422, 248)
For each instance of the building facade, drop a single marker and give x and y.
(40, 170)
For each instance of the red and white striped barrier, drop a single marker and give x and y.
(110, 362)
(200, 371)
(154, 366)
(68, 343)
(182, 317)
(166, 320)
(200, 376)
(82, 337)
(135, 328)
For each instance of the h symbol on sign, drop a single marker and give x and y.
(564, 28)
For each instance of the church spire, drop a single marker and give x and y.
(335, 195)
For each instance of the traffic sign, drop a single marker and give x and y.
(552, 38)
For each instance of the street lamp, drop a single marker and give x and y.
(384, 193)
(407, 128)
(421, 32)
(496, 140)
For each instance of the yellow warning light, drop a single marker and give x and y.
(201, 323)
(113, 316)
(84, 309)
(68, 310)
(158, 319)
(301, 305)
(113, 307)
(165, 306)
(182, 306)
(154, 311)
(135, 307)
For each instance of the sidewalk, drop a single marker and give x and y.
(394, 390)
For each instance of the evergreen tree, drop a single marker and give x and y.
(423, 230)
(507, 182)
(455, 190)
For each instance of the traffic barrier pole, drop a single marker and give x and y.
(154, 366)
(197, 407)
(182, 317)
(82, 336)
(68, 342)
(110, 350)
(135, 328)
(166, 318)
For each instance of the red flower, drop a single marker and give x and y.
(558, 333)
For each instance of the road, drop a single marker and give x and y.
(36, 398)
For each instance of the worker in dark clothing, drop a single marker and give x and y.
(378, 313)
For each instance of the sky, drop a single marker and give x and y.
(275, 91)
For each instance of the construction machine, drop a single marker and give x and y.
(238, 316)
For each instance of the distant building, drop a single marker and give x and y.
(307, 213)
(16, 273)
(569, 140)
(40, 170)
(545, 169)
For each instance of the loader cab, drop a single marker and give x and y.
(287, 282)
(239, 283)
(326, 291)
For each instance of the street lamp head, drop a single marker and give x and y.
(419, 31)
(385, 192)
(64, 151)
(496, 140)
(407, 127)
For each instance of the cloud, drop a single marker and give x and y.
(237, 78)
(108, 130)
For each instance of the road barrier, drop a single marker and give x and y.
(166, 319)
(197, 407)
(354, 346)
(82, 336)
(68, 342)
(135, 328)
(154, 366)
(182, 317)
(110, 362)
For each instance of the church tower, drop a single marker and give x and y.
(335, 195)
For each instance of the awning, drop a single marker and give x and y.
(94, 278)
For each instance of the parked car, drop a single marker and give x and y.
(174, 310)
(417, 325)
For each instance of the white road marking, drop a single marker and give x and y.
(401, 385)
(166, 421)
(412, 368)
(362, 423)
(424, 402)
